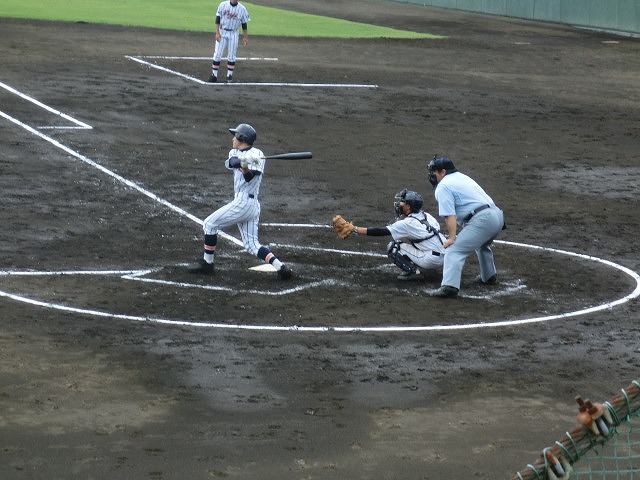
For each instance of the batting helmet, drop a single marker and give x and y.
(245, 133)
(411, 198)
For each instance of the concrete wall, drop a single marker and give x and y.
(622, 16)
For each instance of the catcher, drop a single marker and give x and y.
(417, 240)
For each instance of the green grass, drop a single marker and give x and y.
(195, 15)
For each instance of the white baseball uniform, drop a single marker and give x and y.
(231, 18)
(244, 210)
(418, 236)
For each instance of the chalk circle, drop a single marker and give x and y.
(133, 274)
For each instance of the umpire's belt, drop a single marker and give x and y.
(477, 210)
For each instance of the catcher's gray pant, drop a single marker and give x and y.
(242, 211)
(477, 235)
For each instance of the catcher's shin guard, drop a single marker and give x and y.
(402, 261)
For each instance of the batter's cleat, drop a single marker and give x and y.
(202, 266)
(415, 275)
(284, 273)
(446, 291)
(492, 280)
(212, 79)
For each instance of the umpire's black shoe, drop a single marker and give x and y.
(446, 291)
(212, 79)
(284, 273)
(202, 267)
(492, 280)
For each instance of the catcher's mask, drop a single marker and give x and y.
(437, 164)
(245, 133)
(411, 198)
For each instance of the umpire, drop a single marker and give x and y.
(461, 201)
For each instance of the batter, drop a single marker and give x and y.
(247, 164)
(230, 16)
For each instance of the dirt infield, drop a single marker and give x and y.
(116, 363)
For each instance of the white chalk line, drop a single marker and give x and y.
(79, 125)
(244, 59)
(139, 59)
(137, 273)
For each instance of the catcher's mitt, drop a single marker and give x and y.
(342, 228)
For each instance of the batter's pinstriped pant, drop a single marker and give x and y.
(242, 211)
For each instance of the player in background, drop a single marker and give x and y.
(247, 164)
(230, 16)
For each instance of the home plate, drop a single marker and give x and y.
(265, 267)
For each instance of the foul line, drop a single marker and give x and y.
(80, 125)
(255, 84)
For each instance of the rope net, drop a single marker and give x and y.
(604, 446)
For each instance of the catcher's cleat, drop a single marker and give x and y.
(415, 275)
(202, 267)
(446, 291)
(492, 280)
(212, 79)
(284, 273)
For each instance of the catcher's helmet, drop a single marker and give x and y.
(411, 198)
(437, 164)
(245, 133)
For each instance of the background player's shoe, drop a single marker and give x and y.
(202, 267)
(212, 79)
(229, 79)
(284, 273)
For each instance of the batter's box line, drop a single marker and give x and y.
(140, 60)
(142, 276)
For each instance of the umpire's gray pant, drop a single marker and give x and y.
(476, 235)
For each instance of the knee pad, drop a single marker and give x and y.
(401, 261)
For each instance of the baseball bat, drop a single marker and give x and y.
(290, 156)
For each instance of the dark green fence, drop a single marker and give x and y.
(620, 16)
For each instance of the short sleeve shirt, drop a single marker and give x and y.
(458, 194)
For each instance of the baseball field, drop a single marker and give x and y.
(117, 363)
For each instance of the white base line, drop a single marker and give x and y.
(80, 125)
(244, 59)
(114, 175)
(253, 84)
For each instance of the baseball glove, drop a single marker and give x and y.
(342, 228)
